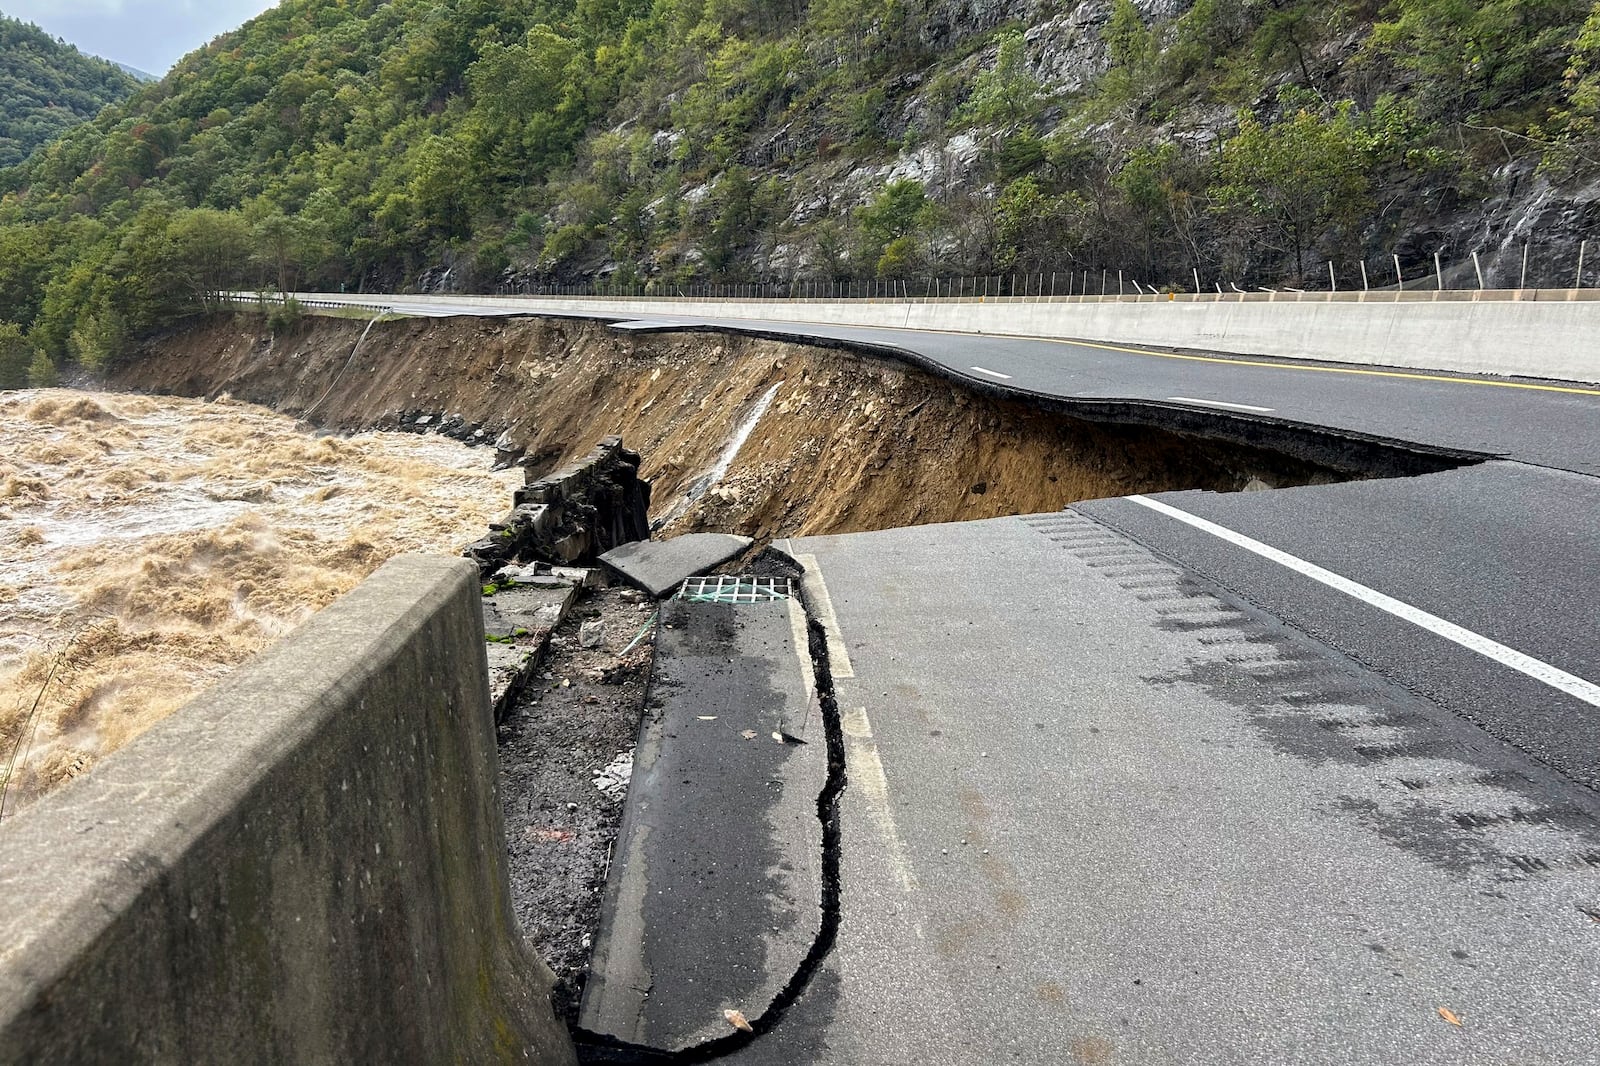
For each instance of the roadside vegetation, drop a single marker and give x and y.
(474, 144)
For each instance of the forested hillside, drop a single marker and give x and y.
(47, 86)
(485, 143)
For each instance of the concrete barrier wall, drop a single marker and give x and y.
(305, 864)
(1548, 334)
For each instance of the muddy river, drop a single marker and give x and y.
(151, 543)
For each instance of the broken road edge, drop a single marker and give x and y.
(597, 1048)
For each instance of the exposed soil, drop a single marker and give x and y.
(849, 442)
(576, 715)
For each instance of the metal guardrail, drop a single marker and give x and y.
(250, 299)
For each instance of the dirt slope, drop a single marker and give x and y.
(849, 442)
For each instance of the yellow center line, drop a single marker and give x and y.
(1448, 379)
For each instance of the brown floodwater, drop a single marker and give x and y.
(149, 544)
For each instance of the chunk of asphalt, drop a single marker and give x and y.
(524, 610)
(715, 897)
(518, 622)
(660, 566)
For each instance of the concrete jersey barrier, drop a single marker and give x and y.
(304, 864)
(1527, 333)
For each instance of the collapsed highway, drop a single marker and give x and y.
(1195, 776)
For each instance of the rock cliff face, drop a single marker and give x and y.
(1472, 220)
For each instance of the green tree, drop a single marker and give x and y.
(900, 211)
(1035, 230)
(16, 356)
(99, 337)
(1007, 95)
(42, 373)
(277, 239)
(1133, 50)
(213, 251)
(1298, 177)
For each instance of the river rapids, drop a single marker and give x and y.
(149, 544)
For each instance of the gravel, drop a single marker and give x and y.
(561, 748)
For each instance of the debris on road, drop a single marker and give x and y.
(561, 813)
(613, 780)
(660, 566)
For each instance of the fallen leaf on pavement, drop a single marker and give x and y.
(738, 1020)
(1449, 1015)
(749, 734)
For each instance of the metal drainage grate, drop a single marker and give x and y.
(735, 589)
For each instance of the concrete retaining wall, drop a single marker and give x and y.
(1544, 333)
(305, 864)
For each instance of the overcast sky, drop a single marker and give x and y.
(148, 34)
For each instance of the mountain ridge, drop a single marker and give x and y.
(47, 86)
(660, 143)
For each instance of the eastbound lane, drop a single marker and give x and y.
(1100, 813)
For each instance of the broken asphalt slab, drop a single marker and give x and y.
(660, 566)
(517, 622)
(715, 895)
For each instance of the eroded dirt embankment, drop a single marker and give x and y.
(848, 443)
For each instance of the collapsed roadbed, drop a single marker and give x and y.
(734, 434)
(746, 435)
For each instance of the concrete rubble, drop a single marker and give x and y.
(584, 509)
(520, 610)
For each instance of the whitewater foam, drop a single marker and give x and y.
(152, 543)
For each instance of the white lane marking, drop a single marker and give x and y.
(992, 373)
(867, 778)
(802, 650)
(1220, 403)
(839, 664)
(1537, 669)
